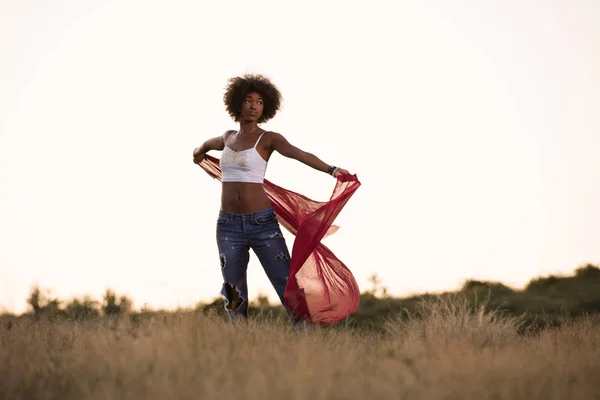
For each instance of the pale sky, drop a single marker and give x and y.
(474, 127)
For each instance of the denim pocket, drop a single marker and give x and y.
(266, 218)
(222, 222)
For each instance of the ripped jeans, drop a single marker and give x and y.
(236, 234)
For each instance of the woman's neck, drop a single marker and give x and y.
(248, 127)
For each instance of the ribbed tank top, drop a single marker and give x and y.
(243, 166)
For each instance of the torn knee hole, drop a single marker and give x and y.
(233, 296)
(222, 259)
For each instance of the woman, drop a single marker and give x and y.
(247, 219)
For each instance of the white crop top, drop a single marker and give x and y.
(243, 166)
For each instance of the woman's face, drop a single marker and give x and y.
(252, 107)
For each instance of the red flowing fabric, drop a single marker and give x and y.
(320, 287)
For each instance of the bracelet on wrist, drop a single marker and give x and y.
(331, 169)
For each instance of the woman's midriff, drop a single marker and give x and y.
(241, 198)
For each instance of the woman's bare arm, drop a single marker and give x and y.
(216, 143)
(286, 149)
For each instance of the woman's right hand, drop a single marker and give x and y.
(340, 171)
(198, 155)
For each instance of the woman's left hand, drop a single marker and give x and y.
(340, 171)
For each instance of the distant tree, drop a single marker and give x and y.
(377, 289)
(42, 305)
(542, 283)
(588, 271)
(82, 309)
(261, 301)
(494, 288)
(35, 299)
(113, 305)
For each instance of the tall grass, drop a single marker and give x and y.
(454, 318)
(444, 351)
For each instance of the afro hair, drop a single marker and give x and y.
(238, 88)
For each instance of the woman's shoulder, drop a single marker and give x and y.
(228, 133)
(272, 134)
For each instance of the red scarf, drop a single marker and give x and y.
(320, 287)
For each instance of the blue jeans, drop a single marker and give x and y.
(236, 234)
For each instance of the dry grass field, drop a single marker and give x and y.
(446, 351)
